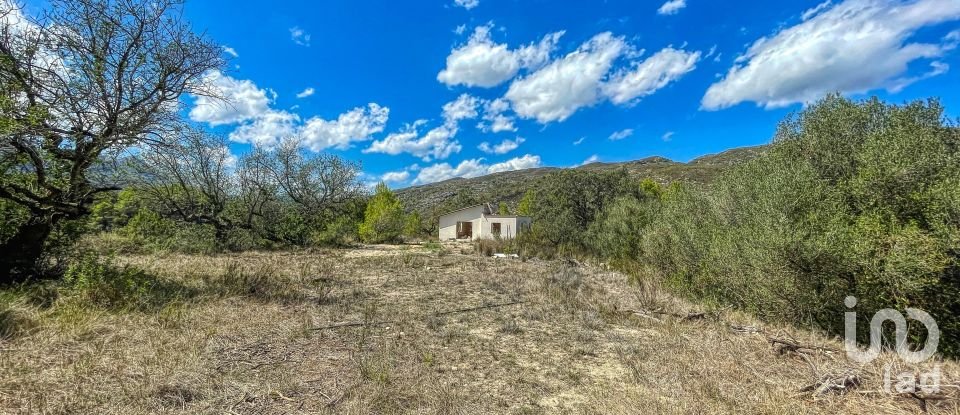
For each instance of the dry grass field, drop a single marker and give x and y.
(416, 330)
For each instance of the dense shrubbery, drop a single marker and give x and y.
(383, 220)
(853, 198)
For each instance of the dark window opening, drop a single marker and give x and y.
(495, 229)
(464, 230)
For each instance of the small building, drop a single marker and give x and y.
(476, 222)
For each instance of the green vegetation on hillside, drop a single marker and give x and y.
(852, 198)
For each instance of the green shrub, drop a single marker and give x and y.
(341, 231)
(853, 198)
(383, 219)
(96, 281)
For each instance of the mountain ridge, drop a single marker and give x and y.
(509, 186)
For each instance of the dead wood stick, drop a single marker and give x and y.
(784, 346)
(483, 307)
(441, 313)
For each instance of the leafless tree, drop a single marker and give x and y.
(189, 179)
(317, 183)
(86, 79)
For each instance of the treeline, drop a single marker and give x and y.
(92, 138)
(192, 195)
(852, 198)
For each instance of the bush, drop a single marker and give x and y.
(341, 231)
(94, 280)
(383, 219)
(853, 198)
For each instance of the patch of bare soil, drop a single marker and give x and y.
(417, 330)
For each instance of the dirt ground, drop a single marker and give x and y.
(414, 329)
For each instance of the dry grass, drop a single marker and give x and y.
(246, 341)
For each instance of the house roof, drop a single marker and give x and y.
(468, 207)
(487, 214)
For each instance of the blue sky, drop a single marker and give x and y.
(414, 89)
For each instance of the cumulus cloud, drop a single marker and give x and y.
(306, 93)
(267, 130)
(650, 75)
(473, 168)
(358, 124)
(463, 108)
(620, 135)
(854, 46)
(504, 147)
(249, 106)
(592, 159)
(237, 101)
(482, 62)
(563, 86)
(395, 176)
(300, 37)
(466, 4)
(672, 7)
(437, 143)
(494, 118)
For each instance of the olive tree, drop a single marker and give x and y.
(85, 80)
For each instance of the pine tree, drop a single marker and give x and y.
(525, 208)
(383, 219)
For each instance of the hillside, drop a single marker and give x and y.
(509, 186)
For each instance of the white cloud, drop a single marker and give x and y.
(298, 36)
(463, 108)
(236, 101)
(494, 119)
(460, 29)
(357, 124)
(672, 7)
(620, 135)
(438, 143)
(853, 47)
(559, 89)
(592, 159)
(231, 51)
(473, 168)
(481, 62)
(650, 75)
(518, 163)
(395, 176)
(504, 147)
(579, 140)
(267, 130)
(306, 93)
(813, 12)
(667, 136)
(466, 4)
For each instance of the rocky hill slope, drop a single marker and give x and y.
(510, 186)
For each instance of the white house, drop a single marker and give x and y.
(478, 221)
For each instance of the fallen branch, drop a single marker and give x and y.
(483, 307)
(840, 384)
(784, 346)
(441, 313)
(685, 317)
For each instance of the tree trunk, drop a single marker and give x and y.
(20, 255)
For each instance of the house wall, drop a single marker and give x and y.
(509, 225)
(448, 222)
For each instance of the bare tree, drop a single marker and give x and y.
(88, 78)
(318, 183)
(189, 179)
